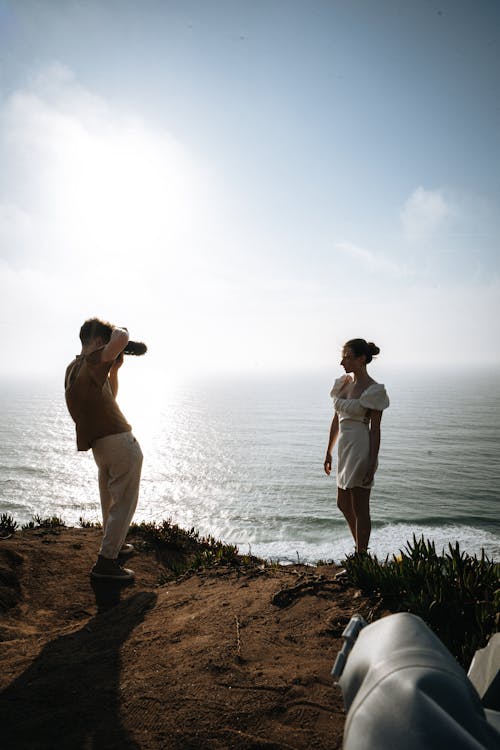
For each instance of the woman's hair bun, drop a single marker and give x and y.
(360, 348)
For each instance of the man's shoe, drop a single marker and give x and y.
(126, 550)
(111, 569)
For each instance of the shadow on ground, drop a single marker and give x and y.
(108, 592)
(73, 686)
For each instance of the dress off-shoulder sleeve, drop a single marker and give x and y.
(339, 384)
(375, 397)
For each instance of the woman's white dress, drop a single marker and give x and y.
(353, 445)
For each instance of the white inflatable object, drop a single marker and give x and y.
(485, 665)
(403, 689)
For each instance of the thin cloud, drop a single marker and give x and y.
(16, 231)
(371, 261)
(424, 213)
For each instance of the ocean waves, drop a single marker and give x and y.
(243, 461)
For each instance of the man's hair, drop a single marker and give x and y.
(93, 328)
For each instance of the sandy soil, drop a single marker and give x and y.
(224, 658)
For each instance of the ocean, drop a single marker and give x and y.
(242, 459)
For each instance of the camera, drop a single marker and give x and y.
(137, 348)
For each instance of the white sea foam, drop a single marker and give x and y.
(385, 542)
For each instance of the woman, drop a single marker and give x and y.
(358, 401)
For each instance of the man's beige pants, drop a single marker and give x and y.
(119, 460)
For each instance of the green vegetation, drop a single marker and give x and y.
(456, 594)
(181, 549)
(37, 522)
(85, 524)
(7, 525)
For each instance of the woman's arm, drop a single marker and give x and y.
(334, 431)
(375, 419)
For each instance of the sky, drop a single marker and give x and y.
(247, 184)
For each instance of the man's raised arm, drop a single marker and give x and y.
(116, 344)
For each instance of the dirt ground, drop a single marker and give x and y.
(223, 658)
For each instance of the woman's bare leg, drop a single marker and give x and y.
(344, 503)
(361, 511)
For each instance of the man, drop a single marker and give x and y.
(91, 386)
